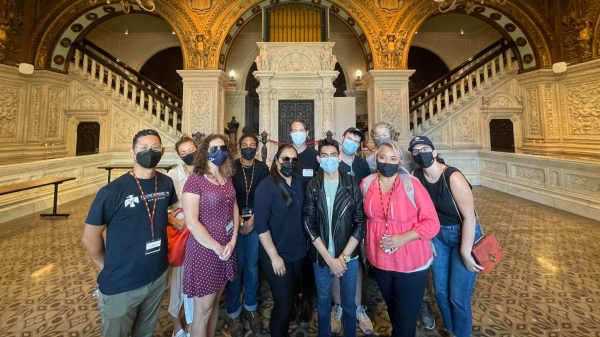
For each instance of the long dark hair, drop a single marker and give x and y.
(287, 198)
(201, 159)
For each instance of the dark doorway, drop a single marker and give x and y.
(252, 99)
(162, 69)
(340, 82)
(428, 68)
(291, 110)
(502, 136)
(88, 138)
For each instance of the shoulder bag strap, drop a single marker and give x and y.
(454, 202)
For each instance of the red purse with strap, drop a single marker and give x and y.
(177, 239)
(486, 251)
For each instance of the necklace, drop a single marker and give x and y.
(385, 210)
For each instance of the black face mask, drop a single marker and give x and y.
(248, 153)
(387, 169)
(148, 159)
(425, 160)
(188, 159)
(287, 169)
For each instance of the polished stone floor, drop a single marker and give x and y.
(547, 285)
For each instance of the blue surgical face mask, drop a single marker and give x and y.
(218, 157)
(349, 147)
(298, 137)
(330, 164)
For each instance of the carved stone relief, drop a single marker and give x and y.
(200, 113)
(391, 106)
(123, 128)
(495, 167)
(465, 165)
(533, 113)
(87, 103)
(530, 174)
(465, 127)
(9, 108)
(555, 179)
(582, 184)
(583, 114)
(33, 133)
(441, 136)
(551, 112)
(54, 114)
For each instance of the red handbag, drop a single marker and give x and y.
(177, 239)
(487, 252)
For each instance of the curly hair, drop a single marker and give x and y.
(227, 170)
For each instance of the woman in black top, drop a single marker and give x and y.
(278, 222)
(249, 172)
(454, 269)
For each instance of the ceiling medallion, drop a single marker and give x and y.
(445, 6)
(147, 5)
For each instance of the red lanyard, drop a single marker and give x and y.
(384, 210)
(151, 216)
(246, 182)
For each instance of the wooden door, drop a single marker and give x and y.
(502, 136)
(292, 110)
(88, 138)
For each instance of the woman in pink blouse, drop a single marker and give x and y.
(398, 237)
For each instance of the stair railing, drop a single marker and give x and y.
(148, 101)
(427, 105)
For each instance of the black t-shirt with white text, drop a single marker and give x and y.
(308, 165)
(121, 207)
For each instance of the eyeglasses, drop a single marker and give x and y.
(214, 149)
(288, 160)
(325, 155)
(421, 150)
(155, 147)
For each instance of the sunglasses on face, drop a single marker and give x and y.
(214, 149)
(288, 160)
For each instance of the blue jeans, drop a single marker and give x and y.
(324, 280)
(247, 271)
(452, 281)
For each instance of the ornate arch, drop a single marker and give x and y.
(229, 16)
(67, 22)
(525, 19)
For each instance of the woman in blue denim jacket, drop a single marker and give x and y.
(454, 269)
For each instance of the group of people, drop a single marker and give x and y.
(312, 222)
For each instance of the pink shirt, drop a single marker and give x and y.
(402, 217)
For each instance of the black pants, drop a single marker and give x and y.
(403, 294)
(283, 289)
(307, 282)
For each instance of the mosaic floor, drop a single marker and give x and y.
(547, 285)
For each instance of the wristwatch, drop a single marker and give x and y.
(345, 257)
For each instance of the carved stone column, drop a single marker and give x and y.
(387, 92)
(203, 101)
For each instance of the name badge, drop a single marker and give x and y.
(307, 173)
(229, 227)
(153, 246)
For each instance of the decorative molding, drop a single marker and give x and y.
(9, 112)
(529, 174)
(495, 167)
(551, 112)
(534, 124)
(583, 115)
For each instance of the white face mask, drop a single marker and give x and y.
(298, 137)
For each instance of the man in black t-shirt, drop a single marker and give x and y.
(133, 262)
(249, 172)
(308, 165)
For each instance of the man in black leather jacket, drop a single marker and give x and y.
(335, 222)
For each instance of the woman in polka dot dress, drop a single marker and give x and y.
(209, 205)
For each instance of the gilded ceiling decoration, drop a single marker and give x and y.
(388, 26)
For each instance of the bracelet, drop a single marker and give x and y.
(235, 234)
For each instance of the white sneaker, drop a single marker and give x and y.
(179, 333)
(336, 319)
(363, 320)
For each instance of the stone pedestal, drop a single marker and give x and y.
(203, 101)
(387, 92)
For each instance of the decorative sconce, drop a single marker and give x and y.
(359, 82)
(231, 83)
(358, 74)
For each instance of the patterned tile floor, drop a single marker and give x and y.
(547, 285)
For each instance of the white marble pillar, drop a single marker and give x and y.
(387, 92)
(203, 101)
